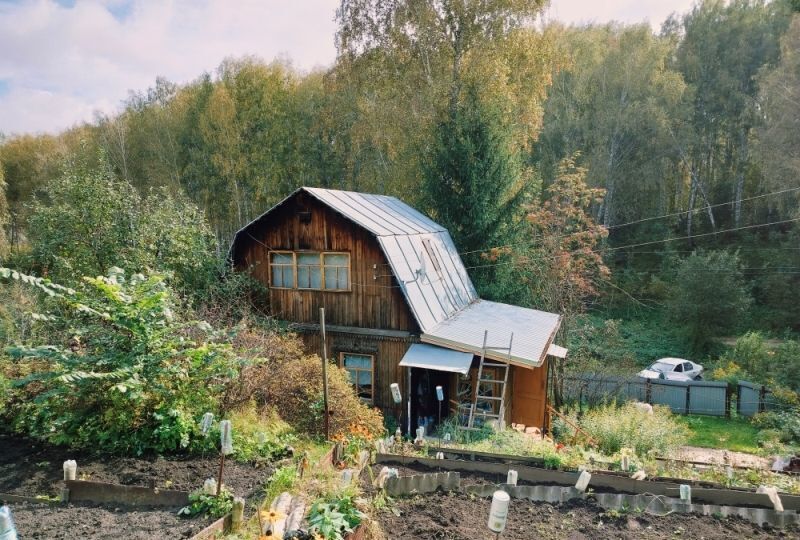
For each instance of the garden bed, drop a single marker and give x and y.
(95, 522)
(456, 517)
(32, 469)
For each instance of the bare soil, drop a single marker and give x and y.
(32, 469)
(455, 516)
(93, 522)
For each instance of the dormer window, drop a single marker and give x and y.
(310, 270)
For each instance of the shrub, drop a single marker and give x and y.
(784, 424)
(294, 389)
(136, 376)
(616, 427)
(334, 518)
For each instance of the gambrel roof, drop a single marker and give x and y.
(434, 281)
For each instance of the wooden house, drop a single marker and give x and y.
(400, 308)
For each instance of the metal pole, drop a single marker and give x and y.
(325, 373)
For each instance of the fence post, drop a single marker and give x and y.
(688, 397)
(727, 400)
(648, 391)
(739, 398)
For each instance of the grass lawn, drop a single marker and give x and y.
(734, 434)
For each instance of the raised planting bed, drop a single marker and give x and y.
(113, 497)
(601, 481)
(32, 469)
(456, 516)
(88, 521)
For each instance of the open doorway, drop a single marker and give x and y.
(424, 405)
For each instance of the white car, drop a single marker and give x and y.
(673, 369)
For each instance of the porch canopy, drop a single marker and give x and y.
(533, 332)
(420, 355)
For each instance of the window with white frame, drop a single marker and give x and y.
(310, 270)
(360, 367)
(281, 269)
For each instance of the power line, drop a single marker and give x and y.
(652, 242)
(652, 218)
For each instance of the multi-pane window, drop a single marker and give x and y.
(337, 271)
(360, 368)
(281, 268)
(311, 270)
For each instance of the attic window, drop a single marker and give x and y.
(304, 216)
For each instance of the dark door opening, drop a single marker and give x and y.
(424, 405)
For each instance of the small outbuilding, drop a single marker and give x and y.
(400, 308)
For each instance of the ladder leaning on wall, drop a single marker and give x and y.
(488, 392)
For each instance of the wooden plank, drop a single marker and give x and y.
(10, 498)
(104, 493)
(371, 332)
(221, 526)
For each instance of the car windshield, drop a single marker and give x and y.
(663, 367)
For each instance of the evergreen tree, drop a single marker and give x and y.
(474, 185)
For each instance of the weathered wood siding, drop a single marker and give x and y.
(387, 352)
(371, 302)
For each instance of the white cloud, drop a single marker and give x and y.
(59, 64)
(653, 12)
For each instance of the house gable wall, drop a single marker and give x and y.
(304, 223)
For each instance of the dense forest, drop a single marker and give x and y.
(645, 184)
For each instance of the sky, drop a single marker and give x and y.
(64, 61)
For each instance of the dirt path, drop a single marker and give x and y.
(715, 456)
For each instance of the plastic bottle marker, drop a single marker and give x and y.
(226, 437)
(583, 481)
(686, 493)
(205, 423)
(439, 393)
(7, 529)
(512, 477)
(70, 469)
(396, 392)
(498, 513)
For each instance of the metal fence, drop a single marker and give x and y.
(682, 397)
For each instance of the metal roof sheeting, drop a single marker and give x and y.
(420, 252)
(533, 332)
(420, 355)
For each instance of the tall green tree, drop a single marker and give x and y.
(778, 141)
(721, 49)
(708, 296)
(615, 102)
(87, 221)
(474, 182)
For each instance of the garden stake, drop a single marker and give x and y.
(325, 375)
(440, 398)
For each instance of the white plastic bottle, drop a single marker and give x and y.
(7, 529)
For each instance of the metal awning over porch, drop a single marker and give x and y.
(424, 356)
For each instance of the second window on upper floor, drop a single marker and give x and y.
(311, 270)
